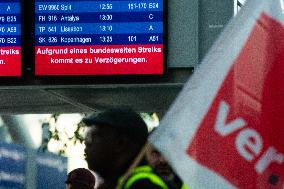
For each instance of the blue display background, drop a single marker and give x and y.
(13, 161)
(5, 1)
(51, 171)
(14, 7)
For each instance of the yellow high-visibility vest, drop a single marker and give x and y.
(145, 172)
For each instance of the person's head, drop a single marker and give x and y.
(80, 178)
(113, 140)
(159, 164)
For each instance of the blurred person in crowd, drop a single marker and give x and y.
(114, 138)
(156, 174)
(80, 178)
(161, 167)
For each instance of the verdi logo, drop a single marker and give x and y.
(241, 136)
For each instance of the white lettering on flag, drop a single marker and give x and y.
(221, 127)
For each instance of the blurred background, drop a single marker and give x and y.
(45, 148)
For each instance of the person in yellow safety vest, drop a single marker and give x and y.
(157, 175)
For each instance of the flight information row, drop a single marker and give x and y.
(99, 39)
(97, 6)
(8, 29)
(99, 17)
(99, 28)
(10, 19)
(10, 41)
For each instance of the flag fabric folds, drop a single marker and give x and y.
(226, 127)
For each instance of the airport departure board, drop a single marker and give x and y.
(10, 38)
(90, 37)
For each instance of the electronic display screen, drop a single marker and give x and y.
(90, 37)
(10, 38)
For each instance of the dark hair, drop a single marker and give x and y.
(80, 186)
(81, 178)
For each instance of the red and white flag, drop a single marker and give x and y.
(226, 128)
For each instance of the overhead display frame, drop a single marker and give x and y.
(100, 38)
(10, 38)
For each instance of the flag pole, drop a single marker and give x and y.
(134, 164)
